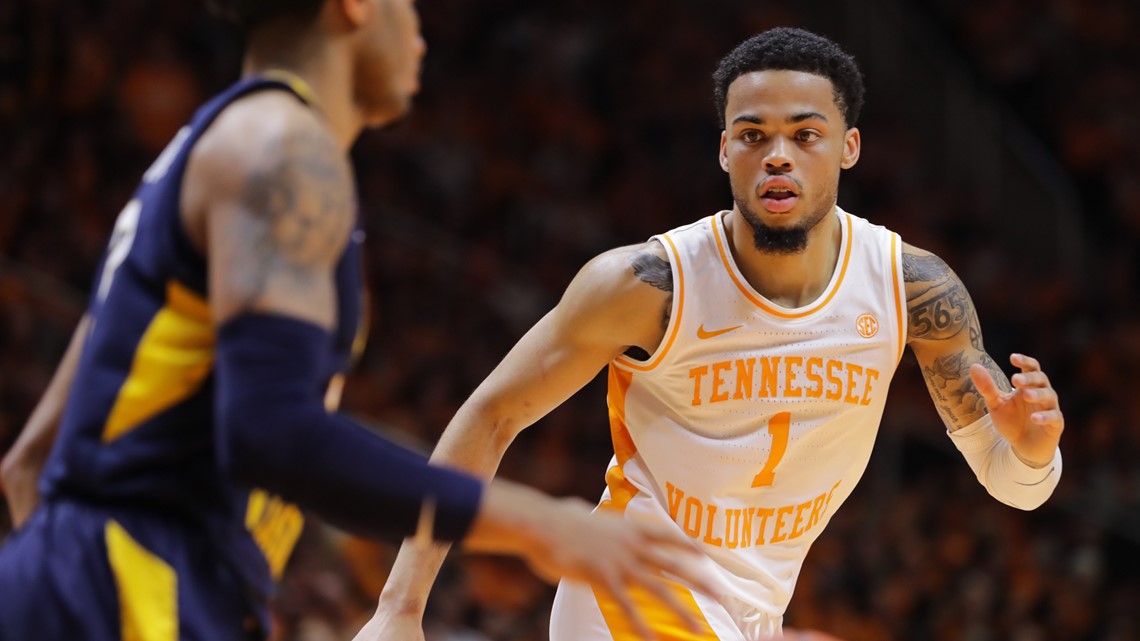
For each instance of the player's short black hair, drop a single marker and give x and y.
(790, 49)
(249, 14)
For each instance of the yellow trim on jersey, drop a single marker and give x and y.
(360, 340)
(760, 302)
(296, 83)
(275, 526)
(148, 588)
(621, 490)
(171, 362)
(898, 296)
(676, 320)
(619, 384)
(666, 625)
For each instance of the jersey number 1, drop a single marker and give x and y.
(120, 245)
(778, 426)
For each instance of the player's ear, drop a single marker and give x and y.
(357, 12)
(851, 147)
(724, 150)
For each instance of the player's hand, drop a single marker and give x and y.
(387, 625)
(19, 480)
(1029, 417)
(615, 555)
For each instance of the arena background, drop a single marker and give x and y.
(1000, 134)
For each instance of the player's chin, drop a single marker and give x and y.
(390, 111)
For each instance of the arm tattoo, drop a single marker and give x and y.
(955, 395)
(300, 208)
(940, 311)
(655, 271)
(942, 308)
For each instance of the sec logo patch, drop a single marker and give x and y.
(867, 325)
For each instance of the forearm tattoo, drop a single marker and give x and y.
(940, 309)
(656, 271)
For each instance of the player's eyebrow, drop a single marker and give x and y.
(797, 118)
(807, 115)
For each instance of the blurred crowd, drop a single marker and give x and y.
(548, 132)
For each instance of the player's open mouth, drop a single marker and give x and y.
(778, 198)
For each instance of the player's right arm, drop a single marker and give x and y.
(268, 195)
(620, 300)
(268, 198)
(21, 467)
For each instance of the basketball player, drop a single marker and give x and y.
(227, 301)
(749, 355)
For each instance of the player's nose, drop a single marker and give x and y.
(779, 157)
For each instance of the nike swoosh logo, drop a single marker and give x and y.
(702, 333)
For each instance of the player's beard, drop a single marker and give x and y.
(779, 240)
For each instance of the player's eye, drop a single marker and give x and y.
(807, 135)
(751, 135)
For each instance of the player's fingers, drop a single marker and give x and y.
(618, 593)
(1046, 397)
(1051, 419)
(1026, 363)
(674, 553)
(660, 589)
(550, 574)
(663, 532)
(984, 381)
(1030, 379)
(684, 564)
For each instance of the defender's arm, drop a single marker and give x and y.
(277, 223)
(21, 467)
(272, 195)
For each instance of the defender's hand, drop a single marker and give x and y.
(567, 538)
(19, 478)
(618, 556)
(387, 625)
(1029, 417)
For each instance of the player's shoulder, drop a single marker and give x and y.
(265, 139)
(923, 266)
(620, 296)
(268, 156)
(626, 270)
(263, 131)
(935, 295)
(622, 283)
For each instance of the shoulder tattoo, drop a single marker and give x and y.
(655, 270)
(300, 207)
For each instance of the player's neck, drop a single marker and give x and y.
(789, 280)
(324, 71)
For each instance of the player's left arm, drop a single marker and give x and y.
(1008, 431)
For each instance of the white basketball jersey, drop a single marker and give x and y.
(751, 423)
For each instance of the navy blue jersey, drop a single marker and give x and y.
(139, 429)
